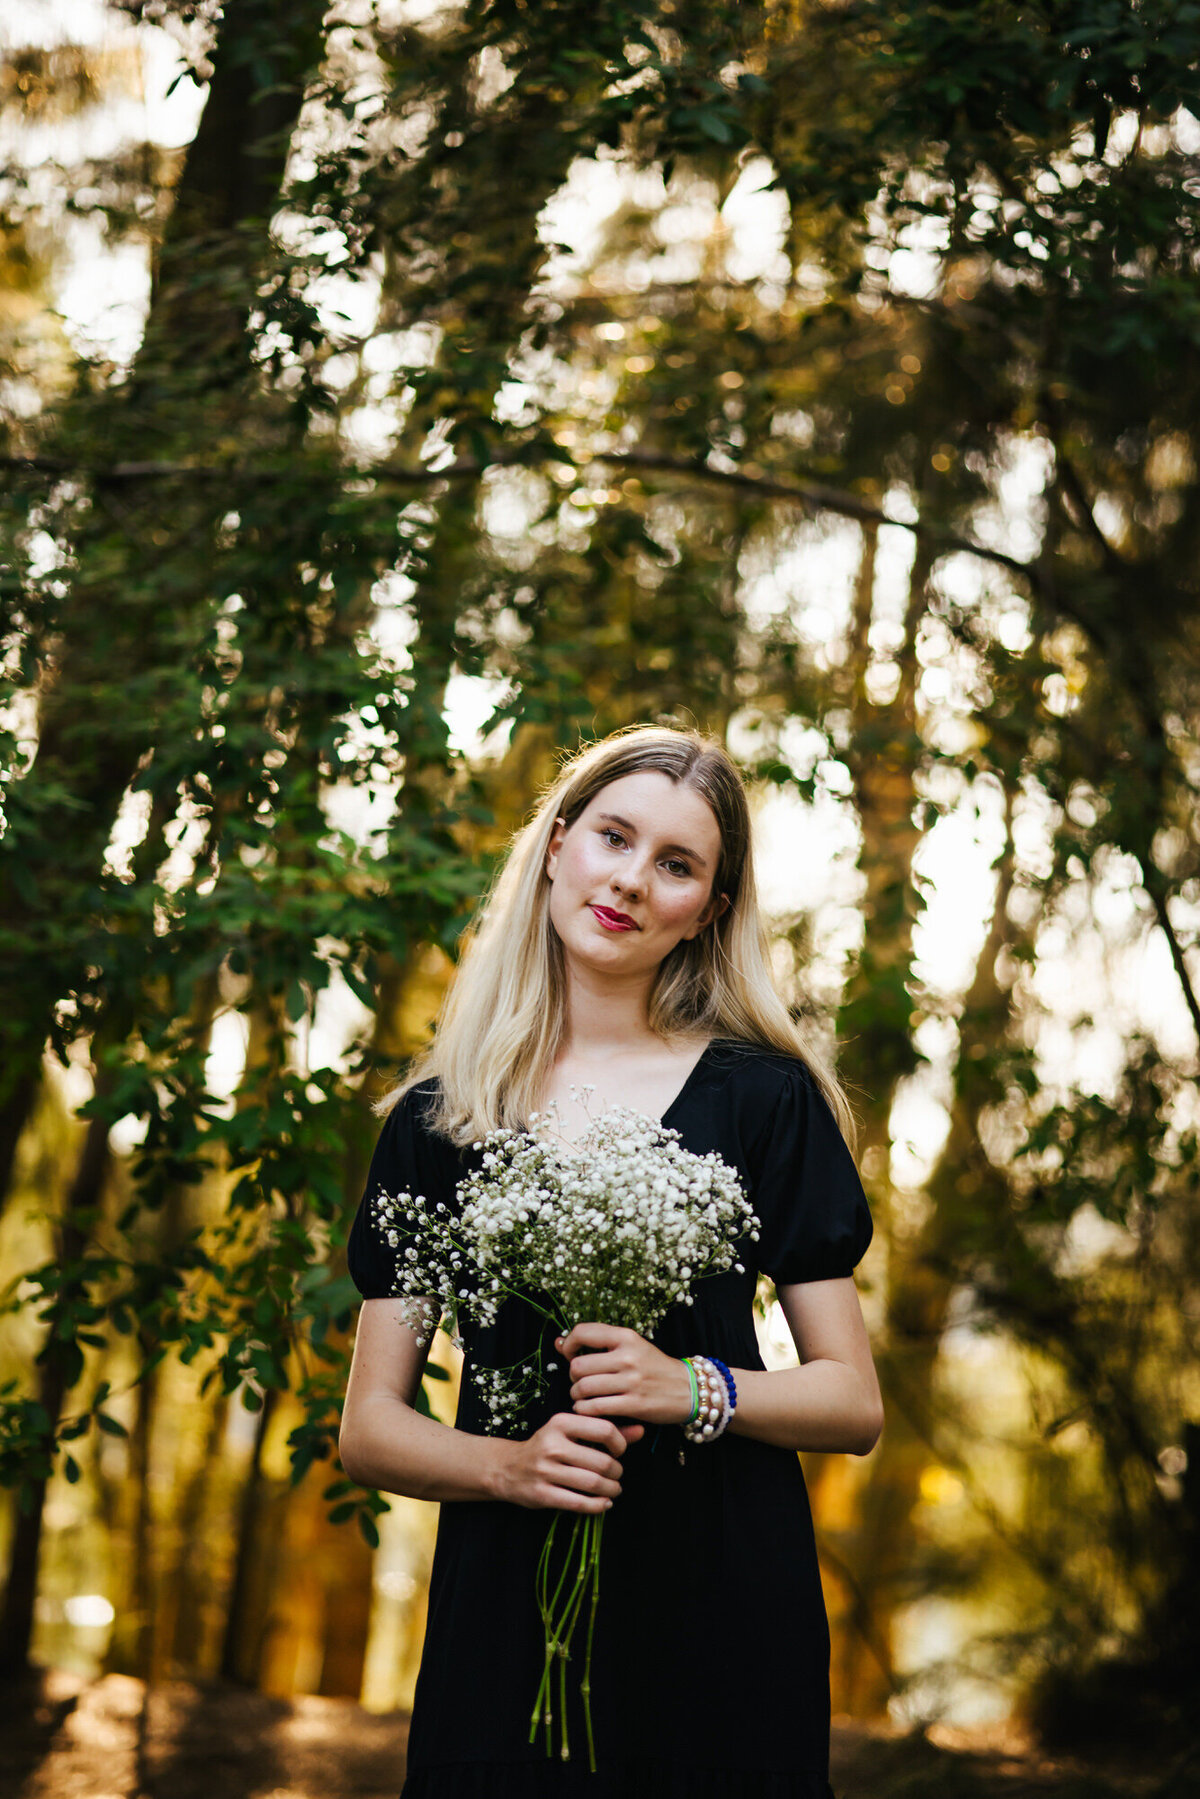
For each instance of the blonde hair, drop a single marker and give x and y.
(502, 1021)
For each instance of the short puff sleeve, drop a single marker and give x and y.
(408, 1158)
(815, 1221)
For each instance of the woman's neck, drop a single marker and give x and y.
(604, 1019)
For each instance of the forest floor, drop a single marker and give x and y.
(65, 1738)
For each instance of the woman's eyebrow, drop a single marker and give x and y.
(613, 819)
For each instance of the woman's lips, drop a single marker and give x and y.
(612, 921)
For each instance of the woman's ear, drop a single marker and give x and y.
(553, 847)
(716, 909)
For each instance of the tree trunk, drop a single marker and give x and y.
(876, 1027)
(20, 1591)
(181, 1636)
(246, 1612)
(109, 640)
(921, 1281)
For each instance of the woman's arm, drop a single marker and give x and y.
(831, 1402)
(571, 1463)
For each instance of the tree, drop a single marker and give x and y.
(585, 467)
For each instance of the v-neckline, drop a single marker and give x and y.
(683, 1092)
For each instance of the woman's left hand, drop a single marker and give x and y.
(617, 1374)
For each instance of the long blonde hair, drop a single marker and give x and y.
(501, 1024)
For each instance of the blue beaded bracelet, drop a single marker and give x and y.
(723, 1371)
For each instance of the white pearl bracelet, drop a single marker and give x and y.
(715, 1410)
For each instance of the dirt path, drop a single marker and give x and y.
(62, 1738)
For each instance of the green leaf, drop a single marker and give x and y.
(715, 126)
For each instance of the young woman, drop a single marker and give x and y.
(621, 950)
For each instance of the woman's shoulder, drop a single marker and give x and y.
(424, 1092)
(751, 1049)
(410, 1151)
(410, 1113)
(802, 1179)
(765, 1086)
(760, 1067)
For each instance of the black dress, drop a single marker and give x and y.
(710, 1676)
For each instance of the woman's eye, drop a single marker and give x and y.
(682, 867)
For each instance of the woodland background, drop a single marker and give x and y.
(418, 389)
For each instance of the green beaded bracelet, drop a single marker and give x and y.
(692, 1382)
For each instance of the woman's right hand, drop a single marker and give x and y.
(571, 1464)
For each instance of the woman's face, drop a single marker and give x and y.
(644, 848)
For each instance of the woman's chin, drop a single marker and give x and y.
(614, 956)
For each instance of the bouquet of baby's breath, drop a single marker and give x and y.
(614, 1229)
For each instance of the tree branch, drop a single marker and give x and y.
(819, 498)
(224, 471)
(813, 496)
(1159, 899)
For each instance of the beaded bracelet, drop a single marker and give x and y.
(699, 1379)
(723, 1400)
(694, 1425)
(716, 1401)
(710, 1411)
(730, 1383)
(693, 1388)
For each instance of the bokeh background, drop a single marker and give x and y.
(394, 396)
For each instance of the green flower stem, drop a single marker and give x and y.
(546, 1604)
(545, 1607)
(559, 1631)
(562, 1703)
(565, 1629)
(586, 1685)
(587, 1577)
(552, 1629)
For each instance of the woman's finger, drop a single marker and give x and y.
(603, 1381)
(600, 1461)
(594, 1361)
(587, 1480)
(562, 1499)
(594, 1430)
(585, 1471)
(591, 1336)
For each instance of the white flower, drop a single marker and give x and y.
(616, 1227)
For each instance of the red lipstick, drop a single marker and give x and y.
(614, 921)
